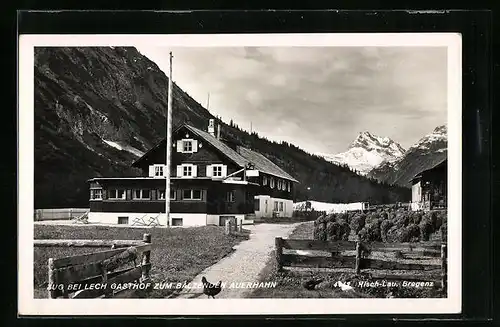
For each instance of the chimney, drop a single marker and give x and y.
(218, 131)
(211, 127)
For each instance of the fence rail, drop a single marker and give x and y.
(93, 275)
(433, 272)
(59, 214)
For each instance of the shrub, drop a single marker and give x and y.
(384, 216)
(371, 232)
(394, 234)
(410, 234)
(341, 217)
(357, 222)
(402, 219)
(331, 217)
(384, 229)
(415, 218)
(426, 229)
(337, 231)
(440, 219)
(444, 231)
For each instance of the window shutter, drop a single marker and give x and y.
(195, 168)
(224, 170)
(151, 171)
(179, 146)
(179, 171)
(209, 170)
(195, 146)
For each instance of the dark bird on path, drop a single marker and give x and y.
(210, 289)
(311, 284)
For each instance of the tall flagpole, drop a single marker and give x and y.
(168, 145)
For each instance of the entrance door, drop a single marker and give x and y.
(223, 219)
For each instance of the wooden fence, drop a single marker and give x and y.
(436, 273)
(95, 275)
(59, 214)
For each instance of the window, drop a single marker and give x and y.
(272, 182)
(230, 196)
(217, 170)
(264, 180)
(96, 194)
(191, 194)
(161, 194)
(281, 206)
(187, 146)
(141, 195)
(122, 220)
(176, 221)
(116, 194)
(275, 206)
(187, 171)
(280, 182)
(256, 205)
(158, 170)
(289, 186)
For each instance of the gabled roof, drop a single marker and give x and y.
(242, 157)
(219, 145)
(263, 164)
(443, 163)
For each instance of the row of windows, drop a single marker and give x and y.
(190, 170)
(145, 194)
(278, 205)
(281, 184)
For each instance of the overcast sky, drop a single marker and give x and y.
(318, 98)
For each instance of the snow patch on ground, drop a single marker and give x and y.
(329, 207)
(127, 148)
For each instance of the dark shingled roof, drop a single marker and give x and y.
(219, 145)
(442, 164)
(242, 157)
(263, 164)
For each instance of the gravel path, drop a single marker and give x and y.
(243, 265)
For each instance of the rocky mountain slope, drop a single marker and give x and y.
(366, 152)
(426, 153)
(98, 109)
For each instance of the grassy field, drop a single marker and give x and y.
(290, 281)
(177, 255)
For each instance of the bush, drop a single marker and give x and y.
(426, 229)
(371, 232)
(410, 234)
(358, 222)
(415, 218)
(337, 231)
(384, 229)
(444, 232)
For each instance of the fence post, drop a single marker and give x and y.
(52, 279)
(444, 267)
(228, 227)
(278, 241)
(358, 257)
(146, 259)
(240, 227)
(325, 234)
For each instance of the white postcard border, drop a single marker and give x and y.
(27, 305)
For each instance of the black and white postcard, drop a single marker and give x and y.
(240, 174)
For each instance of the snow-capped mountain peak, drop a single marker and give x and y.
(438, 136)
(368, 151)
(424, 154)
